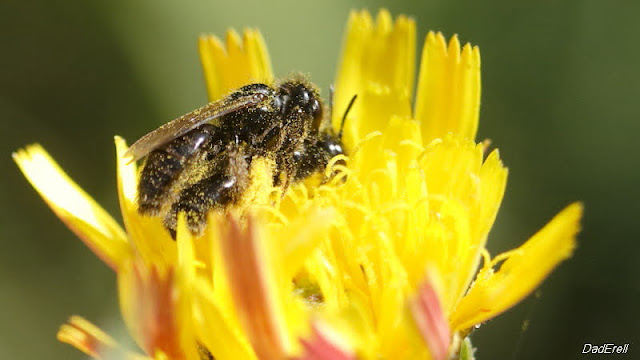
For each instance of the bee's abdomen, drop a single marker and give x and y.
(164, 165)
(218, 190)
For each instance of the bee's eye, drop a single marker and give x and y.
(300, 93)
(299, 97)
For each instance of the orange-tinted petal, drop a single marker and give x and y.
(155, 311)
(325, 345)
(88, 220)
(430, 319)
(94, 342)
(254, 290)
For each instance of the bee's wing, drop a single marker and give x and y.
(187, 122)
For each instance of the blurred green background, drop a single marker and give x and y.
(561, 81)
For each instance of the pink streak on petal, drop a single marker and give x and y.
(430, 320)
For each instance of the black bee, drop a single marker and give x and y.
(201, 160)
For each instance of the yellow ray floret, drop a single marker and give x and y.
(448, 93)
(254, 289)
(94, 342)
(522, 271)
(240, 62)
(88, 220)
(146, 234)
(377, 65)
(465, 193)
(157, 310)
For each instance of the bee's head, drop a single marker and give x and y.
(331, 145)
(301, 97)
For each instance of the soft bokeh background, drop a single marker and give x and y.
(561, 81)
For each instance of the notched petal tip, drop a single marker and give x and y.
(377, 65)
(448, 92)
(239, 61)
(454, 49)
(522, 272)
(359, 19)
(89, 339)
(384, 21)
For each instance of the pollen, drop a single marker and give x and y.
(380, 256)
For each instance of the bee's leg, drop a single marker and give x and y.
(163, 167)
(155, 180)
(229, 179)
(283, 180)
(295, 131)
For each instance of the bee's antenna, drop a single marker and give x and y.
(346, 112)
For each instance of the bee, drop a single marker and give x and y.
(201, 161)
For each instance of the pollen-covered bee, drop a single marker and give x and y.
(201, 160)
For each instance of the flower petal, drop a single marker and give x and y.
(378, 65)
(239, 63)
(525, 268)
(90, 222)
(94, 342)
(217, 328)
(448, 93)
(156, 310)
(464, 196)
(297, 240)
(325, 344)
(255, 291)
(146, 233)
(492, 179)
(430, 319)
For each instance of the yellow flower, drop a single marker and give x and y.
(380, 262)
